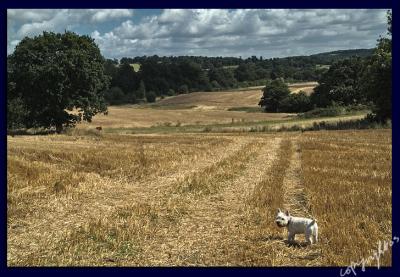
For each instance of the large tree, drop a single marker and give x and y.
(273, 94)
(295, 103)
(377, 76)
(340, 84)
(59, 78)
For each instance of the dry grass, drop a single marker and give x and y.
(348, 177)
(227, 99)
(196, 199)
(131, 116)
(216, 99)
(307, 87)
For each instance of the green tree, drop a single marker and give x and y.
(340, 84)
(125, 78)
(223, 77)
(151, 97)
(57, 73)
(246, 72)
(273, 93)
(170, 92)
(215, 85)
(130, 97)
(16, 113)
(183, 89)
(141, 92)
(111, 68)
(114, 96)
(295, 103)
(377, 76)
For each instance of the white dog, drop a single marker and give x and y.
(298, 225)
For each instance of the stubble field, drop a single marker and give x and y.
(197, 199)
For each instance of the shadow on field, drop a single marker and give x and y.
(273, 237)
(296, 244)
(28, 132)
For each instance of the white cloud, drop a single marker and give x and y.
(104, 15)
(57, 23)
(31, 15)
(246, 32)
(21, 23)
(273, 32)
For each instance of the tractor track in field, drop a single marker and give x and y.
(294, 197)
(213, 222)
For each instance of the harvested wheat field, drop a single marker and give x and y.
(226, 99)
(133, 116)
(197, 108)
(197, 199)
(307, 87)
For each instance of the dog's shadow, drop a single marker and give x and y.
(273, 237)
(296, 244)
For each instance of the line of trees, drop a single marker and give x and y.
(166, 76)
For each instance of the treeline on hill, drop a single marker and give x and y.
(144, 78)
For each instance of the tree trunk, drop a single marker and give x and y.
(59, 128)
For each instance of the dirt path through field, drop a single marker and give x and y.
(209, 233)
(294, 197)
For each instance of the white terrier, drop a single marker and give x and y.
(298, 225)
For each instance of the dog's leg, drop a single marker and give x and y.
(291, 237)
(315, 237)
(308, 237)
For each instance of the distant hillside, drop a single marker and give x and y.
(343, 54)
(167, 76)
(223, 100)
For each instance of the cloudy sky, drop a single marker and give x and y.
(268, 33)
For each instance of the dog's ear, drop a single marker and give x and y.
(279, 211)
(287, 213)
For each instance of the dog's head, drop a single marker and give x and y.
(282, 219)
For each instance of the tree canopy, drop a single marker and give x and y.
(52, 75)
(273, 93)
(377, 76)
(340, 84)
